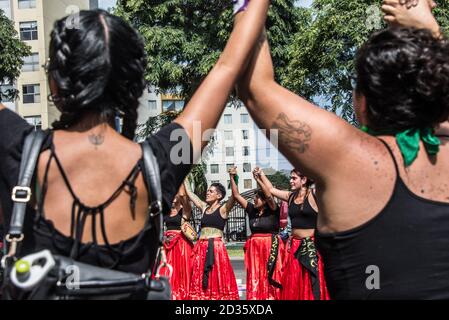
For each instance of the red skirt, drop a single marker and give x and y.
(257, 252)
(178, 250)
(296, 279)
(222, 284)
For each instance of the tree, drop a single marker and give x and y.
(12, 52)
(184, 38)
(323, 50)
(279, 180)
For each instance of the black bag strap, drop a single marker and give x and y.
(153, 181)
(21, 194)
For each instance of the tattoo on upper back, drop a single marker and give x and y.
(96, 139)
(294, 133)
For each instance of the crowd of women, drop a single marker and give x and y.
(276, 269)
(379, 196)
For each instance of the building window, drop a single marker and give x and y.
(229, 151)
(228, 135)
(244, 118)
(229, 184)
(28, 31)
(247, 167)
(214, 181)
(228, 118)
(152, 105)
(31, 93)
(172, 105)
(214, 168)
(31, 63)
(27, 4)
(229, 166)
(35, 121)
(245, 134)
(248, 184)
(245, 151)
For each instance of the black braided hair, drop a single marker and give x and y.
(97, 66)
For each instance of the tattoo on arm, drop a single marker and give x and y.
(295, 134)
(96, 139)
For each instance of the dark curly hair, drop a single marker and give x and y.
(404, 75)
(98, 66)
(220, 188)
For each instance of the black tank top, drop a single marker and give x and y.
(302, 216)
(405, 247)
(131, 255)
(268, 222)
(213, 220)
(173, 223)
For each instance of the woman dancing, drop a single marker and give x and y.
(303, 272)
(178, 248)
(264, 249)
(212, 274)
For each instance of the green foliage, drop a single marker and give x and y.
(12, 51)
(279, 180)
(323, 50)
(184, 38)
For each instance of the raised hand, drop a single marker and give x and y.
(232, 171)
(411, 13)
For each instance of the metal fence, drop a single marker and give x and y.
(236, 229)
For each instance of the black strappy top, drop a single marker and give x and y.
(213, 220)
(402, 253)
(302, 216)
(173, 223)
(268, 222)
(131, 255)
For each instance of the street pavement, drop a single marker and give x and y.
(240, 274)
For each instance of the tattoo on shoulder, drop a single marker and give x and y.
(294, 133)
(96, 139)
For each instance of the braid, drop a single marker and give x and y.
(130, 122)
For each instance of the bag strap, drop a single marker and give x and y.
(153, 181)
(21, 194)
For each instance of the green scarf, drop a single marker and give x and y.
(408, 142)
(236, 179)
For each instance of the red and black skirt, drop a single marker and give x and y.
(212, 274)
(303, 272)
(264, 255)
(178, 250)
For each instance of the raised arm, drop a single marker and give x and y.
(186, 206)
(268, 196)
(235, 189)
(263, 180)
(194, 198)
(2, 107)
(208, 102)
(306, 132)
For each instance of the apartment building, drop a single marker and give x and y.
(34, 21)
(234, 145)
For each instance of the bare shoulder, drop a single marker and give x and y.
(360, 187)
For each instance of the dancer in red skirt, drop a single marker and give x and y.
(264, 249)
(302, 273)
(212, 274)
(177, 247)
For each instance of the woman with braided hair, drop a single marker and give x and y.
(89, 177)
